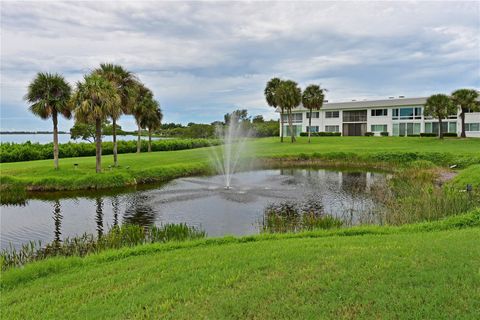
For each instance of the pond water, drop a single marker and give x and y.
(43, 138)
(198, 201)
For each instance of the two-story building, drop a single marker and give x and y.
(397, 116)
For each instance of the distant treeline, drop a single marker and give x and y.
(14, 152)
(256, 126)
(31, 132)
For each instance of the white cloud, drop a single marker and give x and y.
(204, 58)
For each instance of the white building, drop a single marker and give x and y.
(398, 117)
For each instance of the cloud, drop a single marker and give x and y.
(203, 59)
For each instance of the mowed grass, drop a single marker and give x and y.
(162, 166)
(417, 275)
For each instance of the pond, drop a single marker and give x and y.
(202, 202)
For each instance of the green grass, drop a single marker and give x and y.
(470, 175)
(163, 166)
(427, 270)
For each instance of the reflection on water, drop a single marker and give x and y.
(200, 201)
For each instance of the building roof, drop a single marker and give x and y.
(369, 104)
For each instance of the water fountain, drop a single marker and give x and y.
(226, 158)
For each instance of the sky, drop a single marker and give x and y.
(204, 59)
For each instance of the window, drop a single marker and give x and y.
(407, 113)
(406, 128)
(315, 115)
(432, 127)
(297, 129)
(296, 117)
(332, 114)
(379, 128)
(472, 126)
(332, 129)
(312, 129)
(379, 112)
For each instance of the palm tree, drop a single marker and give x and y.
(439, 106)
(288, 96)
(141, 99)
(312, 99)
(270, 96)
(94, 99)
(49, 95)
(121, 80)
(465, 99)
(151, 120)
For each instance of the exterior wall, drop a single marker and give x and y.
(322, 121)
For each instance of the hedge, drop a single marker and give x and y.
(27, 151)
(321, 134)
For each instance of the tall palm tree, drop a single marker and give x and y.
(465, 99)
(121, 80)
(288, 96)
(94, 99)
(439, 106)
(312, 99)
(151, 120)
(49, 95)
(270, 96)
(141, 99)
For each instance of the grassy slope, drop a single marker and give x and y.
(403, 273)
(167, 165)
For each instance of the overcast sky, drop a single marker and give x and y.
(203, 59)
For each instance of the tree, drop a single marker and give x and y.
(151, 120)
(312, 99)
(240, 115)
(49, 95)
(94, 99)
(141, 98)
(121, 80)
(271, 97)
(86, 131)
(288, 96)
(465, 100)
(439, 106)
(258, 119)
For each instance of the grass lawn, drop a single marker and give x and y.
(404, 273)
(144, 167)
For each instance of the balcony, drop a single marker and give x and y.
(355, 116)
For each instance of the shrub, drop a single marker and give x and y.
(450, 134)
(413, 135)
(369, 134)
(384, 134)
(424, 134)
(14, 152)
(321, 134)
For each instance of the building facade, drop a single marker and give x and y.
(397, 116)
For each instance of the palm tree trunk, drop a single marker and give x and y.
(309, 125)
(462, 117)
(440, 132)
(281, 125)
(98, 142)
(149, 140)
(114, 133)
(290, 124)
(55, 139)
(139, 139)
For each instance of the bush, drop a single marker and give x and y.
(413, 135)
(424, 134)
(369, 134)
(14, 152)
(321, 134)
(384, 134)
(450, 134)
